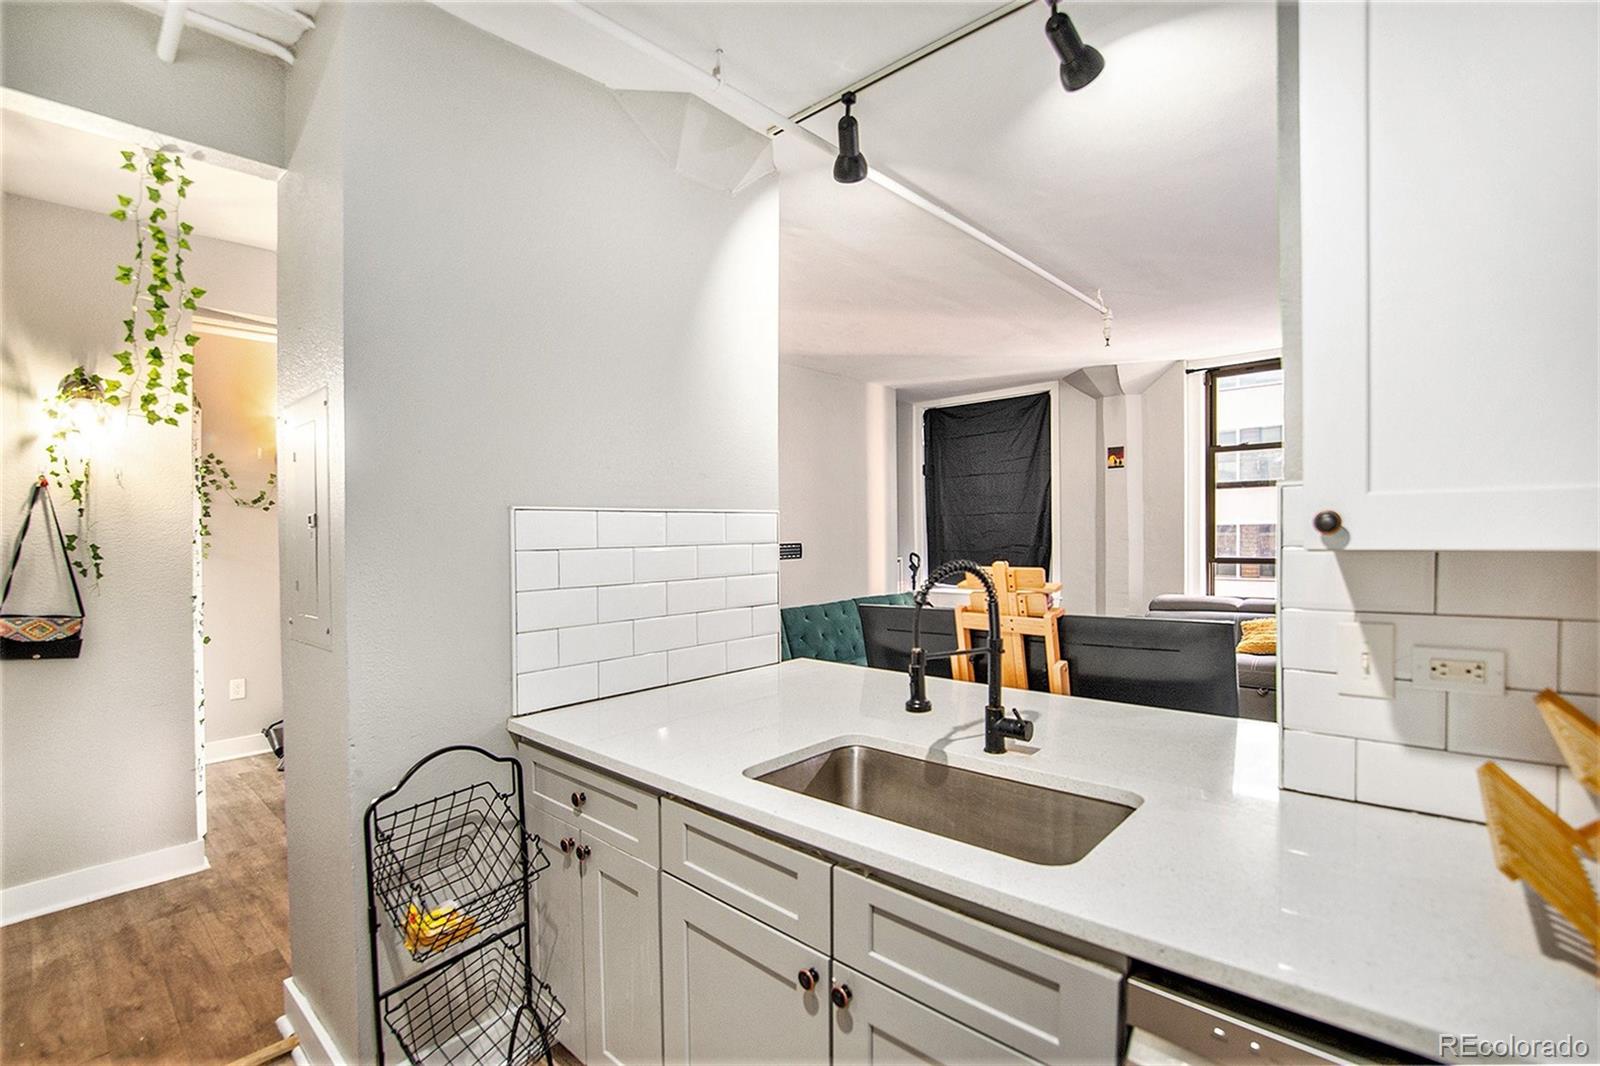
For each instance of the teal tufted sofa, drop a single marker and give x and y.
(829, 631)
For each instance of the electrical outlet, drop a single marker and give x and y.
(1459, 669)
(236, 689)
(1366, 659)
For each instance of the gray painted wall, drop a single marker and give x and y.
(519, 304)
(97, 762)
(836, 486)
(101, 57)
(1289, 230)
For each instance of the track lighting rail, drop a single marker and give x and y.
(913, 58)
(717, 92)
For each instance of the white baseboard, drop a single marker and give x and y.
(297, 1056)
(236, 748)
(49, 894)
(316, 1042)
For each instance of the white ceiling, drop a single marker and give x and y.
(1156, 184)
(68, 165)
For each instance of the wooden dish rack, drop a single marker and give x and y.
(1532, 843)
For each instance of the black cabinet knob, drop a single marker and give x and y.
(840, 996)
(1328, 522)
(579, 799)
(583, 852)
(809, 978)
(567, 844)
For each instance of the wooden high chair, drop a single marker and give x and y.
(1025, 611)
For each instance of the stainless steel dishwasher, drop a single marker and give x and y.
(1170, 1025)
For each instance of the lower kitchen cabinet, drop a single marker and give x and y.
(879, 1025)
(622, 956)
(734, 990)
(556, 915)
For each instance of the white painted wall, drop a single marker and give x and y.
(236, 381)
(837, 486)
(545, 316)
(101, 57)
(97, 759)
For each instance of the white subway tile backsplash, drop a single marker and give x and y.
(631, 529)
(1437, 782)
(1507, 726)
(632, 601)
(552, 688)
(555, 529)
(1368, 581)
(752, 590)
(664, 564)
(695, 527)
(537, 651)
(1319, 764)
(1574, 803)
(717, 626)
(1580, 657)
(764, 559)
(1312, 702)
(538, 570)
(751, 527)
(753, 651)
(610, 601)
(632, 674)
(1419, 749)
(720, 560)
(703, 594)
(662, 634)
(596, 566)
(587, 644)
(553, 608)
(686, 664)
(1309, 641)
(1520, 584)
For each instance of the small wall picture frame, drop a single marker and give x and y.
(1116, 458)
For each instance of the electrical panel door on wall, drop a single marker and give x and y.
(304, 528)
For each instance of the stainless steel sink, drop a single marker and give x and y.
(1028, 822)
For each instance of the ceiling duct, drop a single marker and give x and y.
(697, 140)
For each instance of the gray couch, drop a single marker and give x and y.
(1258, 674)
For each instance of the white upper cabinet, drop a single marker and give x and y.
(1449, 274)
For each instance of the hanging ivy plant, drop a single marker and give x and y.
(155, 365)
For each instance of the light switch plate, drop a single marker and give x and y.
(1459, 670)
(1366, 659)
(236, 689)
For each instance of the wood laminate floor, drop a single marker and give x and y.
(188, 971)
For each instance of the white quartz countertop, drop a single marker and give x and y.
(1393, 925)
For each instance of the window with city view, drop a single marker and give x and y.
(1244, 459)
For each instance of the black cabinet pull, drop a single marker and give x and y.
(583, 852)
(567, 844)
(809, 978)
(579, 799)
(841, 996)
(1328, 522)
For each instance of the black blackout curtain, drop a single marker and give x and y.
(987, 472)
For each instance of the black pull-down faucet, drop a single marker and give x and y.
(996, 726)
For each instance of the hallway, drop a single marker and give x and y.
(190, 970)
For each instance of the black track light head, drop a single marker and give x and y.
(851, 166)
(1080, 63)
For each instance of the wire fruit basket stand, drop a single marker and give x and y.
(449, 874)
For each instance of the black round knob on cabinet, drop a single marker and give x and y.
(583, 852)
(840, 996)
(809, 978)
(567, 844)
(1327, 522)
(579, 799)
